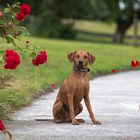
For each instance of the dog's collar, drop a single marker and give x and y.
(76, 68)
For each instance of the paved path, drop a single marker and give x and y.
(115, 100)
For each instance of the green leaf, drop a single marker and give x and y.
(31, 47)
(14, 6)
(8, 5)
(23, 28)
(23, 31)
(33, 55)
(1, 52)
(23, 54)
(11, 40)
(6, 10)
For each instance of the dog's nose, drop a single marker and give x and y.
(80, 62)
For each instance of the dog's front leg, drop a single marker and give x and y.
(88, 105)
(71, 109)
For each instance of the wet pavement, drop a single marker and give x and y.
(115, 101)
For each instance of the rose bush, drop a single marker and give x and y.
(11, 28)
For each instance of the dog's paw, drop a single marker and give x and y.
(58, 121)
(96, 122)
(75, 122)
(80, 120)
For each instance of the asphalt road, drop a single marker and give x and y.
(115, 101)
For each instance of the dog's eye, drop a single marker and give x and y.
(85, 57)
(77, 56)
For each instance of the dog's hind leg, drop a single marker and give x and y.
(77, 110)
(57, 109)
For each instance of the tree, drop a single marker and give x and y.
(77, 9)
(55, 11)
(50, 14)
(120, 11)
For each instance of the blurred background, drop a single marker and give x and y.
(107, 21)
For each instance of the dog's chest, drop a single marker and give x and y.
(81, 86)
(82, 82)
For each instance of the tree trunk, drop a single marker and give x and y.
(122, 26)
(135, 22)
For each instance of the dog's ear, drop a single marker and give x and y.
(91, 58)
(71, 56)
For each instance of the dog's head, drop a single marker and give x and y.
(81, 58)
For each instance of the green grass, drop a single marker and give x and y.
(28, 79)
(100, 28)
(95, 26)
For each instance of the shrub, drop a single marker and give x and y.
(52, 27)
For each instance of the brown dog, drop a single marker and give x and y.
(74, 89)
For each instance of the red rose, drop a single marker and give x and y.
(135, 63)
(40, 58)
(12, 59)
(25, 9)
(20, 16)
(113, 71)
(2, 127)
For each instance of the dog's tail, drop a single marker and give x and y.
(44, 120)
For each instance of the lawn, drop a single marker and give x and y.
(100, 28)
(95, 26)
(28, 80)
